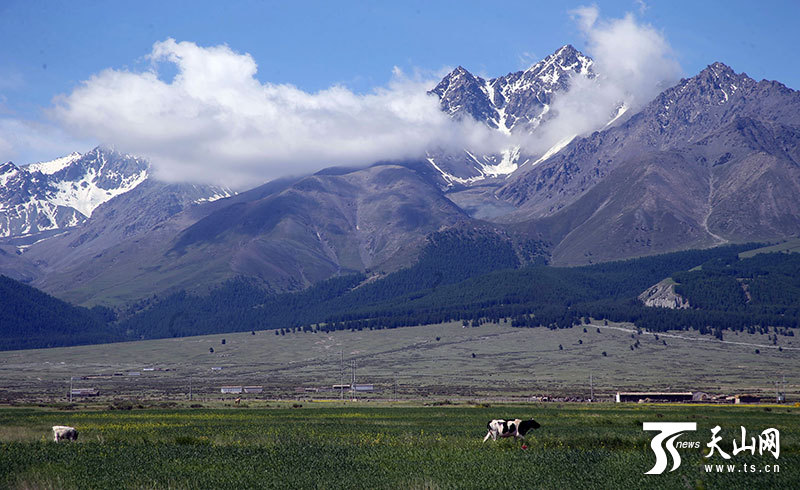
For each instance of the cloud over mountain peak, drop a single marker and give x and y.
(215, 121)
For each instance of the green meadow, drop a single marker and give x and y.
(362, 445)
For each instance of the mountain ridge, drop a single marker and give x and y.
(710, 160)
(517, 102)
(63, 193)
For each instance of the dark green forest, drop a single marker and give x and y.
(30, 318)
(472, 277)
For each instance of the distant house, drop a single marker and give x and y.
(231, 389)
(746, 399)
(653, 397)
(253, 389)
(365, 387)
(84, 392)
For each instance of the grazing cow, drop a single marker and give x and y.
(64, 432)
(510, 428)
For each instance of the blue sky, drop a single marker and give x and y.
(50, 48)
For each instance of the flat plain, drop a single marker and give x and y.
(446, 360)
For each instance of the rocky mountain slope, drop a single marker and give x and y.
(287, 235)
(663, 295)
(679, 116)
(517, 102)
(60, 213)
(712, 160)
(63, 193)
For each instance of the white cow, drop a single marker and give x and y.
(61, 432)
(509, 428)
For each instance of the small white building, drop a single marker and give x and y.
(84, 392)
(231, 389)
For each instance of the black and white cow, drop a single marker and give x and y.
(510, 428)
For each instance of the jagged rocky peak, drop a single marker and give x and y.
(53, 166)
(85, 181)
(714, 97)
(462, 93)
(64, 192)
(722, 80)
(459, 77)
(566, 59)
(7, 166)
(716, 84)
(106, 166)
(518, 99)
(10, 177)
(516, 102)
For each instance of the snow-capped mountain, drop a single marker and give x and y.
(714, 159)
(27, 204)
(517, 102)
(63, 193)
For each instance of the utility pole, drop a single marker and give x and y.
(341, 378)
(353, 384)
(591, 387)
(784, 388)
(780, 390)
(70, 388)
(190, 387)
(395, 386)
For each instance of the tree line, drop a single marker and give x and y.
(469, 276)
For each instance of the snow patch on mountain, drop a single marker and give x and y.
(620, 111)
(64, 192)
(53, 166)
(221, 193)
(515, 105)
(507, 164)
(486, 166)
(7, 172)
(554, 149)
(452, 179)
(85, 195)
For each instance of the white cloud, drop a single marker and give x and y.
(634, 63)
(216, 122)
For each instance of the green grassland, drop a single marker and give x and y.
(322, 445)
(489, 361)
(789, 246)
